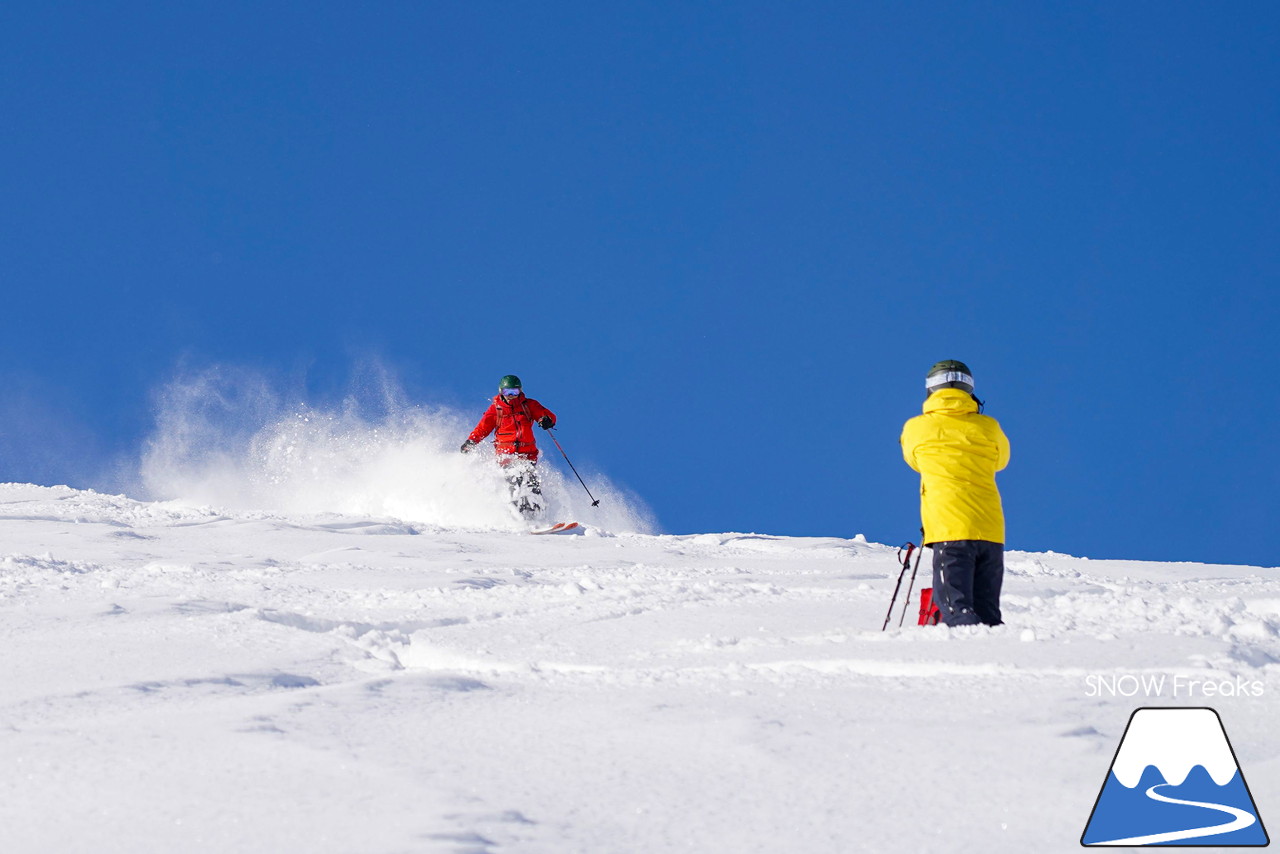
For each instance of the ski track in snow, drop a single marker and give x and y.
(183, 678)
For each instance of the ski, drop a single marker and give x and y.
(557, 528)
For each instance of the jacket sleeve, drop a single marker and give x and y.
(1002, 444)
(487, 422)
(908, 442)
(537, 411)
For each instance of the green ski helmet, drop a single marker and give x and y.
(510, 381)
(949, 373)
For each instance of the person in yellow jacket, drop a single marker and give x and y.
(958, 451)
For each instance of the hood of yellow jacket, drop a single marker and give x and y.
(950, 401)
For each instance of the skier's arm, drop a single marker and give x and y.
(1002, 444)
(908, 446)
(487, 422)
(545, 418)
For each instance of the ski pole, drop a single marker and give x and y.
(910, 547)
(907, 601)
(595, 502)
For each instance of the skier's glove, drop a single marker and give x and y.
(545, 422)
(467, 446)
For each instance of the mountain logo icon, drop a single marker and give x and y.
(1175, 782)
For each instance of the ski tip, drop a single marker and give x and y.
(557, 528)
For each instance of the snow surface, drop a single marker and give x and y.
(179, 677)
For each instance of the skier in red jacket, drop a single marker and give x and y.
(510, 418)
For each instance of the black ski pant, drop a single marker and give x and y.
(967, 576)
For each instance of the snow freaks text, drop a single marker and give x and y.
(1178, 685)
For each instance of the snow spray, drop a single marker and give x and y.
(231, 438)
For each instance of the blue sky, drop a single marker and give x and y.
(723, 241)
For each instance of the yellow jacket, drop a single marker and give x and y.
(957, 452)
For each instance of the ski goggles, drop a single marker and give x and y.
(511, 392)
(943, 377)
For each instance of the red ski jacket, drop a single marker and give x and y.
(513, 422)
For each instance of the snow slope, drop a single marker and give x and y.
(177, 677)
